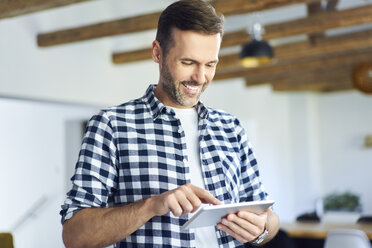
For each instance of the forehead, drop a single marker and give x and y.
(194, 45)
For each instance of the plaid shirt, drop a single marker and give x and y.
(138, 149)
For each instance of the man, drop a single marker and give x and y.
(145, 165)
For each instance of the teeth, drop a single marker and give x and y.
(190, 87)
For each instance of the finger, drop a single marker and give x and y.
(192, 198)
(257, 220)
(187, 199)
(243, 227)
(174, 206)
(243, 223)
(254, 224)
(226, 229)
(204, 195)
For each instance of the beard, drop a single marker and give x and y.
(173, 88)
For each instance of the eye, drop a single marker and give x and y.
(211, 65)
(186, 62)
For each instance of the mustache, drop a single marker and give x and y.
(191, 83)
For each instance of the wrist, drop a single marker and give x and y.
(147, 208)
(260, 238)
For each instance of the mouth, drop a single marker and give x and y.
(191, 89)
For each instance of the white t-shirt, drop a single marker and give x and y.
(205, 236)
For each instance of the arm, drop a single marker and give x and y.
(98, 227)
(246, 227)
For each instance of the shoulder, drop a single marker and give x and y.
(220, 116)
(226, 123)
(114, 116)
(131, 110)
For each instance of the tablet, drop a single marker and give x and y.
(211, 215)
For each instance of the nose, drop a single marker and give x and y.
(199, 75)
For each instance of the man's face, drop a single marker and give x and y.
(188, 68)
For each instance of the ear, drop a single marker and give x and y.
(156, 51)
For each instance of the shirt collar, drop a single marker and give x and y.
(157, 108)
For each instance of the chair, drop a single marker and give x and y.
(347, 238)
(6, 240)
(365, 219)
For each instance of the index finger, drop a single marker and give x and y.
(204, 195)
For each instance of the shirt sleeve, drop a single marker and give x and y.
(251, 187)
(94, 180)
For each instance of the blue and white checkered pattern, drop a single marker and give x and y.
(137, 150)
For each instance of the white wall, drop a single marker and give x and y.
(304, 135)
(32, 168)
(345, 120)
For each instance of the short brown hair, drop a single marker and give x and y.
(195, 15)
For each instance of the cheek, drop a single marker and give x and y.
(182, 74)
(210, 75)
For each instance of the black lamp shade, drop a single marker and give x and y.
(255, 53)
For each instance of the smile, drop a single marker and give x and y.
(191, 89)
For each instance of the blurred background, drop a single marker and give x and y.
(308, 113)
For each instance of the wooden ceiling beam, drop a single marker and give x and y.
(337, 43)
(21, 7)
(331, 75)
(149, 21)
(321, 80)
(99, 30)
(320, 22)
(314, 8)
(320, 86)
(303, 64)
(332, 44)
(131, 56)
(234, 7)
(313, 24)
(302, 77)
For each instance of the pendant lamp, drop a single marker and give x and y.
(257, 51)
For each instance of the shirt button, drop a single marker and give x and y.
(184, 160)
(179, 131)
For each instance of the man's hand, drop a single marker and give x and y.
(244, 226)
(182, 200)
